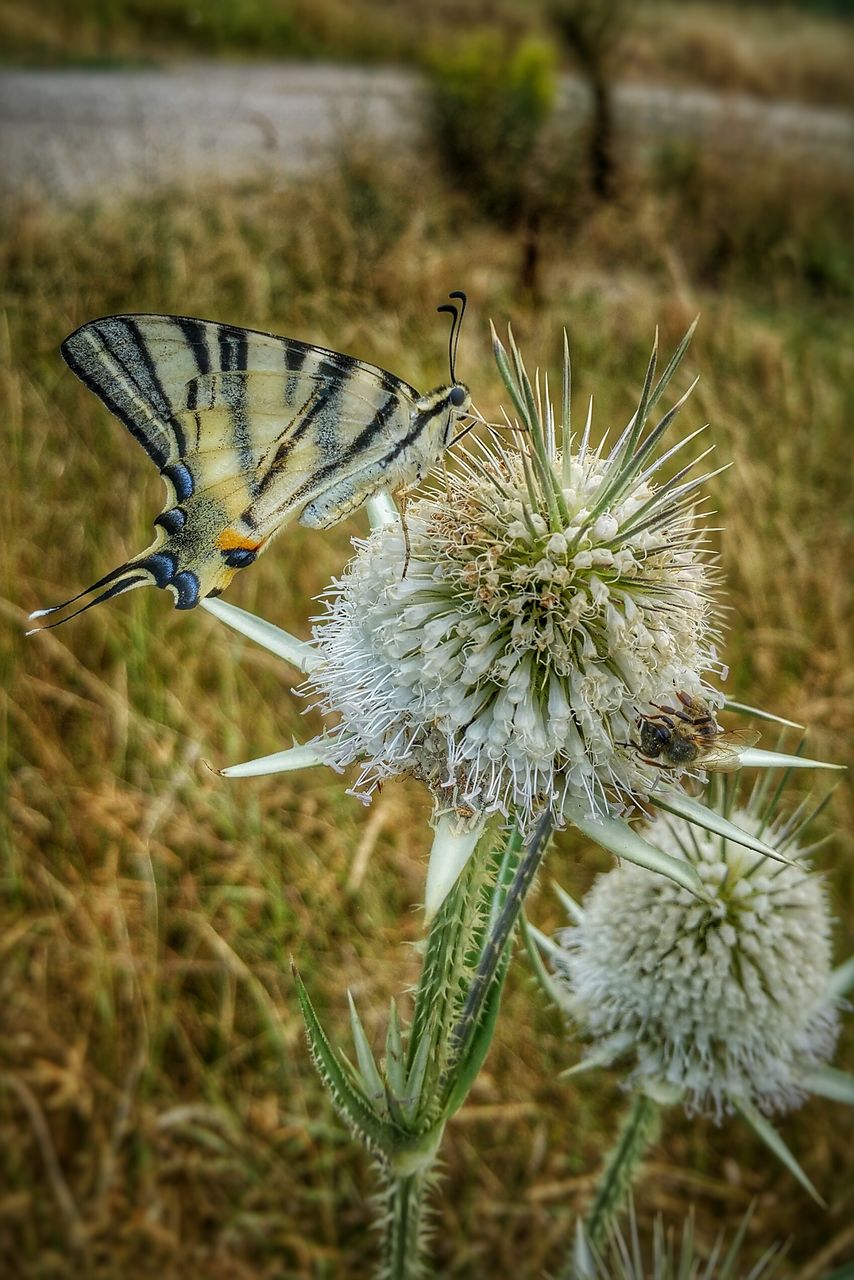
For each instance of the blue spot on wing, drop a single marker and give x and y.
(239, 557)
(182, 480)
(172, 521)
(186, 586)
(161, 565)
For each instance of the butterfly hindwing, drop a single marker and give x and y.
(248, 430)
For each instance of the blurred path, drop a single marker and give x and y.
(81, 133)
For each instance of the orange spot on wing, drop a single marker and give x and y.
(230, 540)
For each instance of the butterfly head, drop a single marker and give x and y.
(458, 403)
(440, 411)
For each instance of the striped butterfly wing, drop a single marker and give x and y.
(249, 431)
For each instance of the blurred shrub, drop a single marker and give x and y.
(214, 25)
(593, 31)
(490, 103)
(129, 31)
(775, 225)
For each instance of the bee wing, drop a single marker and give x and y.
(724, 756)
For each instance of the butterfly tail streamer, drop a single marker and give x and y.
(122, 579)
(158, 566)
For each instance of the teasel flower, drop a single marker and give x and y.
(673, 1254)
(722, 1002)
(504, 645)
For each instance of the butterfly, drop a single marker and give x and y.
(250, 432)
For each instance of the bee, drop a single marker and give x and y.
(690, 735)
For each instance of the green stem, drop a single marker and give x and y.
(455, 933)
(405, 1206)
(640, 1129)
(456, 1008)
(455, 936)
(494, 947)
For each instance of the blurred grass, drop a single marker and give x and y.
(788, 50)
(158, 1112)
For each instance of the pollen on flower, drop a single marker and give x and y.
(547, 602)
(722, 1001)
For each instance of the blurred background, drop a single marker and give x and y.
(329, 170)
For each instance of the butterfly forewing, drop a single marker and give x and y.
(249, 431)
(146, 369)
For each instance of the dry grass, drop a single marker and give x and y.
(158, 1113)
(772, 50)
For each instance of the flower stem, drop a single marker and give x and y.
(456, 1007)
(456, 933)
(495, 945)
(640, 1129)
(404, 1255)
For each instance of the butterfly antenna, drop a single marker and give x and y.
(456, 324)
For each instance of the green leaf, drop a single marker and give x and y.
(535, 942)
(744, 709)
(549, 487)
(769, 1135)
(588, 1063)
(570, 906)
(374, 1132)
(566, 415)
(673, 364)
(643, 405)
(500, 356)
(841, 979)
(306, 756)
(411, 1099)
(753, 758)
(449, 854)
(369, 1071)
(394, 1054)
(618, 838)
(467, 1068)
(585, 1267)
(693, 811)
(731, 1261)
(827, 1082)
(299, 654)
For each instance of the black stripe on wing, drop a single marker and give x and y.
(123, 579)
(233, 357)
(194, 333)
(363, 441)
(111, 358)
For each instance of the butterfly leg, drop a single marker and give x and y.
(339, 500)
(404, 527)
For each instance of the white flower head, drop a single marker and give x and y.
(545, 600)
(721, 1003)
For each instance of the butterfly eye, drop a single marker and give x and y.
(457, 396)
